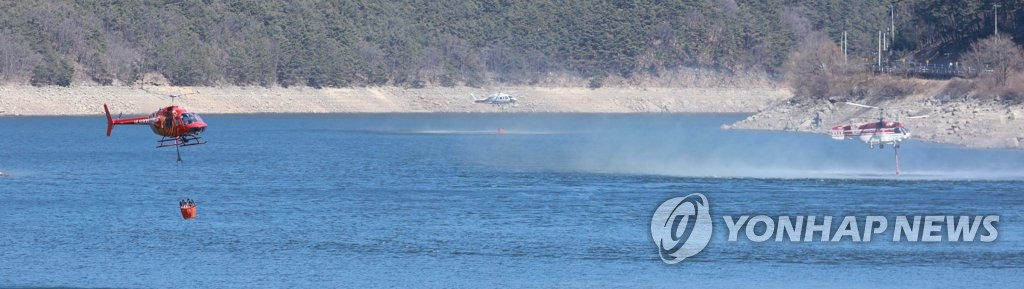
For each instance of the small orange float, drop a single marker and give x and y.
(188, 209)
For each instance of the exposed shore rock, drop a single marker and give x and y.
(88, 100)
(960, 121)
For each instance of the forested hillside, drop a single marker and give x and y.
(472, 42)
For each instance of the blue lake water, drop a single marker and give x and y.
(313, 201)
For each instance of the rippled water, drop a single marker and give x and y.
(445, 201)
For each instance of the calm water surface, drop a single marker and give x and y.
(312, 201)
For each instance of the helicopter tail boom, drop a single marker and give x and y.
(110, 121)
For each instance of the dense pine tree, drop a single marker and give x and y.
(413, 43)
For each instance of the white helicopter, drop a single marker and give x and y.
(881, 133)
(499, 99)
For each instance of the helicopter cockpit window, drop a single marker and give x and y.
(188, 118)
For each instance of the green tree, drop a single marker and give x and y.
(53, 71)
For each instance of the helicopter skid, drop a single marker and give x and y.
(182, 141)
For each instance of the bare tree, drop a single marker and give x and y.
(814, 69)
(16, 59)
(997, 57)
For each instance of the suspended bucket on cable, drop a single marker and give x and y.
(188, 209)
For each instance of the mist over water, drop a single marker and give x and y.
(695, 146)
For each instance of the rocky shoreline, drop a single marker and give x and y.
(963, 121)
(960, 121)
(24, 100)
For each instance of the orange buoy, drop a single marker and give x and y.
(501, 130)
(188, 209)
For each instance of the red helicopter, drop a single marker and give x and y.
(175, 124)
(881, 132)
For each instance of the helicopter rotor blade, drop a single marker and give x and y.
(171, 95)
(860, 105)
(917, 116)
(184, 94)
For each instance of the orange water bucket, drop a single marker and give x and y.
(188, 211)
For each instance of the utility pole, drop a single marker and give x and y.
(846, 59)
(879, 50)
(885, 41)
(995, 14)
(892, 22)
